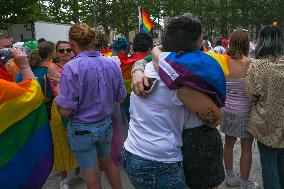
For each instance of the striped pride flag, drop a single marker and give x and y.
(145, 23)
(26, 153)
(205, 72)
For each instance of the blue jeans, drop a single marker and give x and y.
(148, 174)
(89, 142)
(272, 163)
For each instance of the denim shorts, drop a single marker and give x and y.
(148, 174)
(90, 141)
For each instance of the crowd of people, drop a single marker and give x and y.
(154, 110)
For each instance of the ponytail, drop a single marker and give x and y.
(44, 50)
(35, 59)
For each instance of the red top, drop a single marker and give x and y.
(125, 60)
(225, 43)
(4, 74)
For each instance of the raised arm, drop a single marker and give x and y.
(156, 53)
(21, 60)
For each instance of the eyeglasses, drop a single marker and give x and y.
(62, 51)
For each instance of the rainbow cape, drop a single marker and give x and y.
(205, 72)
(126, 67)
(4, 73)
(106, 52)
(25, 138)
(145, 23)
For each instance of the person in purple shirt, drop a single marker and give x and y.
(90, 84)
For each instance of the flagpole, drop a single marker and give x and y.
(140, 19)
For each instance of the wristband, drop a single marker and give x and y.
(24, 67)
(140, 69)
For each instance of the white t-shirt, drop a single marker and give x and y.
(156, 123)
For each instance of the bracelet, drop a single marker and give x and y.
(24, 67)
(137, 69)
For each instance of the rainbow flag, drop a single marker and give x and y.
(126, 67)
(202, 71)
(106, 52)
(26, 153)
(145, 23)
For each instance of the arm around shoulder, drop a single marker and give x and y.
(200, 104)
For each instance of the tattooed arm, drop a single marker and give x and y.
(139, 80)
(201, 104)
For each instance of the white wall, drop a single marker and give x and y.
(51, 31)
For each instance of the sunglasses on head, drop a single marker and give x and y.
(62, 51)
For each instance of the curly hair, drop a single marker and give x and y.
(102, 41)
(120, 44)
(270, 43)
(182, 33)
(142, 42)
(43, 51)
(239, 44)
(86, 37)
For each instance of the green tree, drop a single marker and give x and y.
(16, 11)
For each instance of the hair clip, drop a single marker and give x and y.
(274, 23)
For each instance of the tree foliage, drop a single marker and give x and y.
(217, 16)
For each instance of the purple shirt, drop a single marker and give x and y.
(89, 85)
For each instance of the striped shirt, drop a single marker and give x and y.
(237, 102)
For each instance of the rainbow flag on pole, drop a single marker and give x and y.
(26, 153)
(145, 23)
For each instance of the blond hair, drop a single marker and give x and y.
(86, 37)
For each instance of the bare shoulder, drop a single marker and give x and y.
(53, 68)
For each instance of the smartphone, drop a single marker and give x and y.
(5, 55)
(152, 84)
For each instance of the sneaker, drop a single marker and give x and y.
(233, 181)
(251, 185)
(64, 184)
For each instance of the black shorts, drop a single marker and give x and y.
(203, 157)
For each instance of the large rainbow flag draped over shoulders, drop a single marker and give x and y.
(26, 152)
(205, 72)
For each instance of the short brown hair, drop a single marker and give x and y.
(86, 37)
(44, 49)
(239, 44)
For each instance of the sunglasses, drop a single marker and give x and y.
(62, 51)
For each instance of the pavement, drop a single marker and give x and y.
(77, 183)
